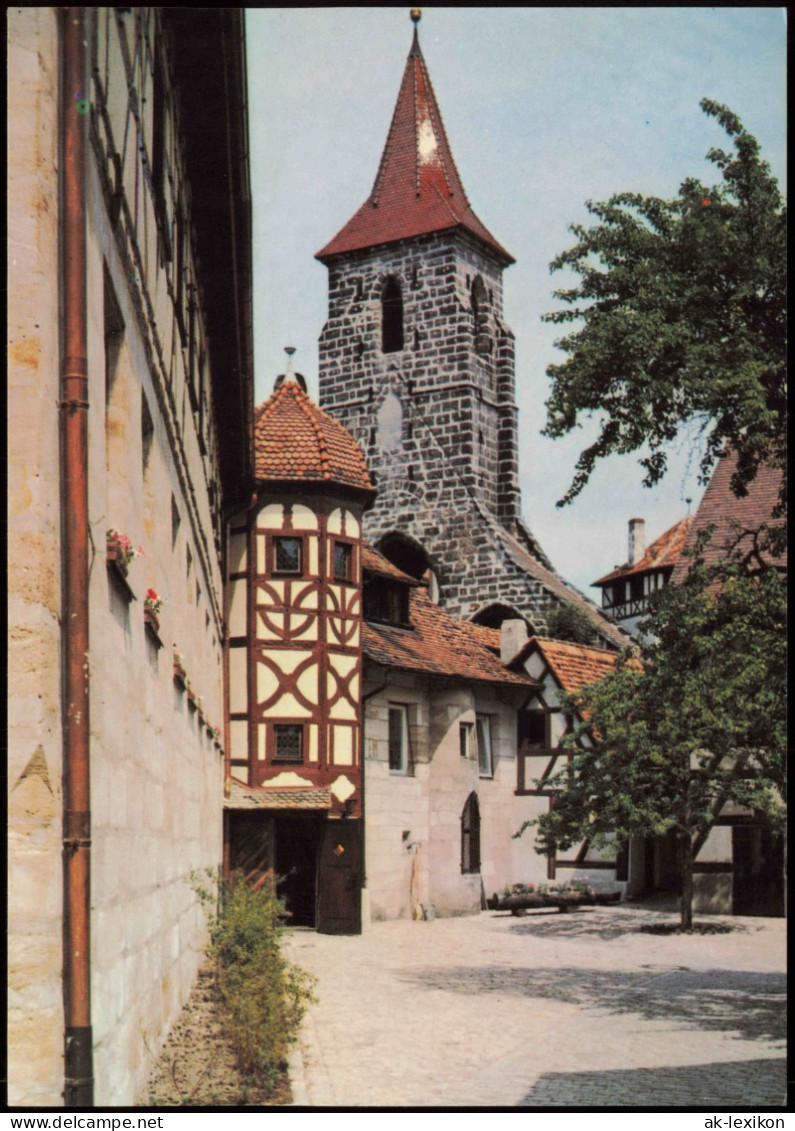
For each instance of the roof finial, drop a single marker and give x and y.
(290, 374)
(290, 377)
(416, 16)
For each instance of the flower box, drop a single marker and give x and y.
(114, 556)
(120, 550)
(152, 633)
(151, 618)
(117, 572)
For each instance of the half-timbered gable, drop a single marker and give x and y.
(558, 667)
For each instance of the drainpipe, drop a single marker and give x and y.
(73, 410)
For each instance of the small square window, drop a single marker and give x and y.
(465, 739)
(343, 561)
(483, 728)
(287, 555)
(399, 761)
(288, 743)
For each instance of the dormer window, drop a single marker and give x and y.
(386, 601)
(391, 316)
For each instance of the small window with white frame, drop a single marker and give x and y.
(399, 753)
(483, 731)
(466, 739)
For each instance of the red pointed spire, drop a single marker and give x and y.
(417, 189)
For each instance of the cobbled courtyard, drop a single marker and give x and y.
(583, 1010)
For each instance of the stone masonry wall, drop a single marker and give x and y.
(437, 420)
(156, 772)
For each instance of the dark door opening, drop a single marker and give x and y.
(758, 858)
(340, 879)
(296, 844)
(661, 865)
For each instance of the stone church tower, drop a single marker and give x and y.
(417, 362)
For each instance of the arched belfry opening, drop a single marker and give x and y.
(405, 553)
(391, 316)
(492, 616)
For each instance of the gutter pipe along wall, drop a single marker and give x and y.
(73, 408)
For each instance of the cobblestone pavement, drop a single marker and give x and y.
(549, 1010)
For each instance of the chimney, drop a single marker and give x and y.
(637, 540)
(513, 634)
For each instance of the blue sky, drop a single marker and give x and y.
(544, 109)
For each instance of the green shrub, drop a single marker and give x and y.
(264, 996)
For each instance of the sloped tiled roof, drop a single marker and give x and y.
(487, 637)
(242, 796)
(417, 190)
(663, 552)
(437, 644)
(295, 441)
(735, 520)
(574, 665)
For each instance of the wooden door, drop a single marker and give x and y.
(339, 881)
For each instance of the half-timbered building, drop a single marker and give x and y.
(559, 667)
(627, 589)
(293, 805)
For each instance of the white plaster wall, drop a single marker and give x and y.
(428, 803)
(35, 1004)
(394, 804)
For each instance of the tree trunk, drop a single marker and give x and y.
(686, 876)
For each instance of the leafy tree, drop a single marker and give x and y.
(681, 309)
(566, 622)
(700, 722)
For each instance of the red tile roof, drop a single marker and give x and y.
(664, 552)
(735, 520)
(242, 796)
(574, 665)
(437, 644)
(417, 189)
(295, 441)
